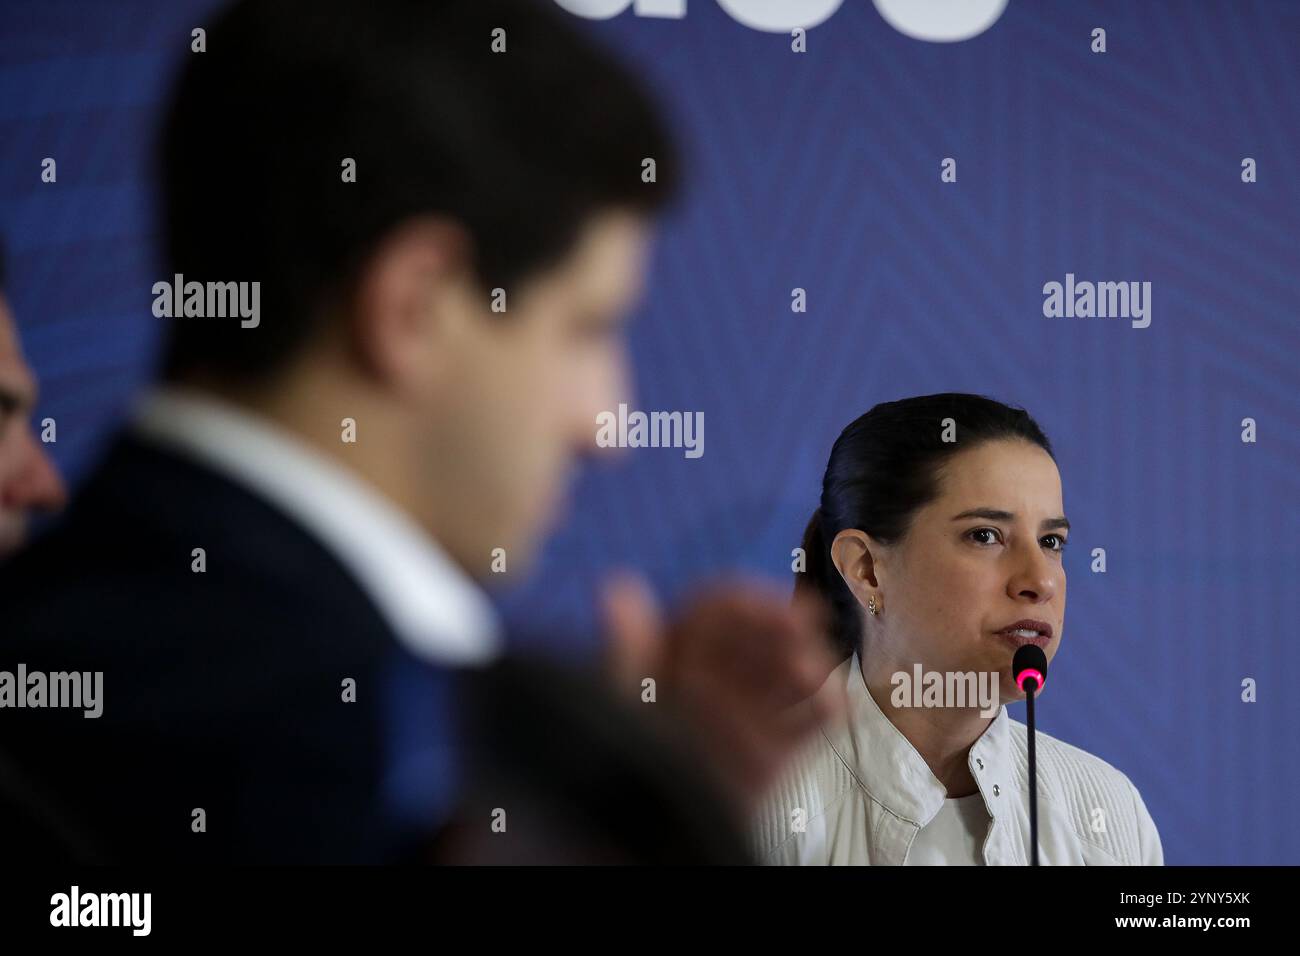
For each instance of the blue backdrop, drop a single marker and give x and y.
(821, 170)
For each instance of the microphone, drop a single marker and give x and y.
(1029, 667)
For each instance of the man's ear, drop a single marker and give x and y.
(852, 554)
(398, 315)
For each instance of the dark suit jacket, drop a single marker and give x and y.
(223, 692)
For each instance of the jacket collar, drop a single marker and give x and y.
(891, 770)
(435, 609)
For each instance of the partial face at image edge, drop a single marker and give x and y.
(29, 481)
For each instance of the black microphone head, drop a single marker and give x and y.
(1029, 663)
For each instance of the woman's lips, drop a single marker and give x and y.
(1019, 640)
(1021, 633)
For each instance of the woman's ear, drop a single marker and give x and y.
(851, 552)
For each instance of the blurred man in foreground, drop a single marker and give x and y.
(401, 240)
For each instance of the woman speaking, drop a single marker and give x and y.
(938, 548)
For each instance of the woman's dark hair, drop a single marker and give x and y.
(883, 468)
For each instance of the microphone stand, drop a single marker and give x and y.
(1031, 685)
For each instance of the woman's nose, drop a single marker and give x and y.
(1036, 579)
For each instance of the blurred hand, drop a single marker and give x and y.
(742, 664)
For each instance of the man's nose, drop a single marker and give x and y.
(34, 484)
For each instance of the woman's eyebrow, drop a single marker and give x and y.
(995, 514)
(991, 514)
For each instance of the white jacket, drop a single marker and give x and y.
(861, 793)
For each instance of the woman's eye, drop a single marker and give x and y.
(984, 531)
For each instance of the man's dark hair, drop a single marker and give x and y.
(520, 147)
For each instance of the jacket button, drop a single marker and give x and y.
(997, 791)
(979, 763)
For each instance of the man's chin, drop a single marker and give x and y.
(522, 540)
